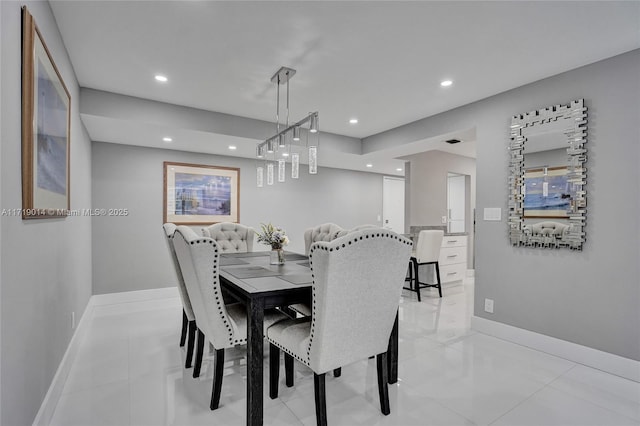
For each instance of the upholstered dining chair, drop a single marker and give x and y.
(188, 318)
(346, 326)
(344, 232)
(427, 252)
(231, 237)
(324, 232)
(223, 325)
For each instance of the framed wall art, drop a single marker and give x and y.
(199, 194)
(46, 107)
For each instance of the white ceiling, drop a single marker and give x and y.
(379, 61)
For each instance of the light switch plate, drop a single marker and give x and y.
(492, 214)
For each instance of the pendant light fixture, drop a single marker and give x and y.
(288, 143)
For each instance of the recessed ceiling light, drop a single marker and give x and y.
(446, 83)
(167, 139)
(233, 147)
(285, 154)
(353, 121)
(398, 169)
(161, 78)
(369, 165)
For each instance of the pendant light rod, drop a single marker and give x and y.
(287, 103)
(278, 106)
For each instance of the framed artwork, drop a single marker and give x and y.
(547, 193)
(46, 107)
(197, 194)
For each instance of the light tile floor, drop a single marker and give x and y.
(129, 372)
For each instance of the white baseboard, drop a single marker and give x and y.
(610, 363)
(48, 406)
(135, 296)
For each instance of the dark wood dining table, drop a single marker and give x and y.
(253, 281)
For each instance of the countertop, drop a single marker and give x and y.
(415, 229)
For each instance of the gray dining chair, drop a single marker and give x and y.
(231, 237)
(357, 284)
(223, 325)
(324, 232)
(188, 318)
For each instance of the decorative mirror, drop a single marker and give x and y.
(547, 180)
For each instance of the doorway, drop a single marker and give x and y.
(457, 202)
(393, 204)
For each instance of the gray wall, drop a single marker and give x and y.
(45, 264)
(129, 253)
(591, 297)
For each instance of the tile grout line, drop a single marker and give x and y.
(518, 404)
(550, 385)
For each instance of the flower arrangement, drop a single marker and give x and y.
(272, 236)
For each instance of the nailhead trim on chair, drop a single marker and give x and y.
(313, 287)
(302, 360)
(218, 296)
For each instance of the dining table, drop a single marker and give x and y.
(252, 280)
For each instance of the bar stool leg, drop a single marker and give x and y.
(438, 278)
(417, 281)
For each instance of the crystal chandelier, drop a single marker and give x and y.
(289, 143)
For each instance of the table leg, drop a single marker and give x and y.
(255, 347)
(392, 353)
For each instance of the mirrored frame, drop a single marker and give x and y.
(571, 119)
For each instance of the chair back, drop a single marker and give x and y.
(428, 246)
(169, 230)
(344, 232)
(231, 237)
(324, 232)
(548, 228)
(356, 290)
(198, 259)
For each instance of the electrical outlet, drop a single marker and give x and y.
(379, 218)
(444, 219)
(73, 320)
(488, 305)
